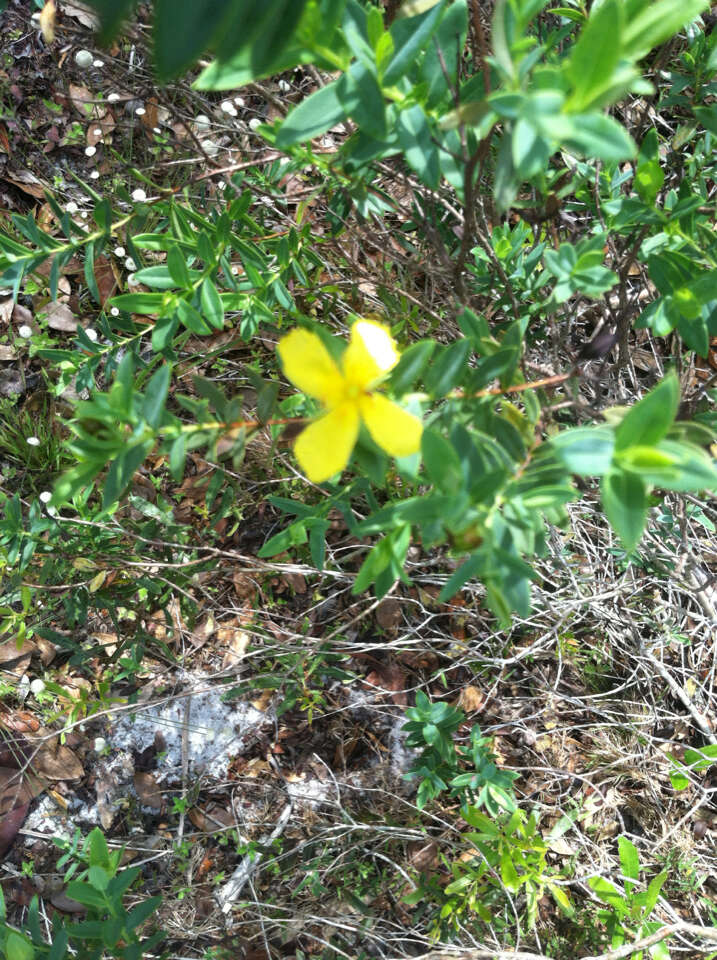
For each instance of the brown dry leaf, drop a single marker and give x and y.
(100, 128)
(82, 100)
(60, 317)
(390, 677)
(148, 790)
(236, 641)
(57, 762)
(6, 308)
(149, 118)
(4, 141)
(105, 276)
(7, 352)
(244, 586)
(389, 613)
(48, 16)
(262, 701)
(297, 581)
(21, 314)
(16, 659)
(471, 699)
(27, 182)
(81, 13)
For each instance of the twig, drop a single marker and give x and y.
(249, 864)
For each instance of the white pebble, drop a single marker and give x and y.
(99, 744)
(131, 279)
(114, 311)
(119, 251)
(113, 98)
(98, 64)
(130, 264)
(95, 175)
(71, 207)
(140, 111)
(97, 132)
(156, 129)
(210, 148)
(284, 86)
(37, 686)
(83, 59)
(239, 101)
(33, 441)
(255, 122)
(46, 496)
(201, 122)
(91, 334)
(228, 107)
(139, 195)
(24, 331)
(90, 151)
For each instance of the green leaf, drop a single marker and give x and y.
(212, 305)
(178, 456)
(413, 362)
(594, 135)
(18, 948)
(414, 136)
(183, 29)
(649, 420)
(155, 395)
(595, 55)
(190, 318)
(587, 451)
(362, 98)
(410, 37)
(629, 860)
(474, 566)
(657, 22)
(448, 368)
(119, 476)
(315, 115)
(624, 500)
(441, 461)
(112, 14)
(177, 267)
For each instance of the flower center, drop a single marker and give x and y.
(353, 391)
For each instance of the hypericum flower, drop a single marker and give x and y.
(347, 391)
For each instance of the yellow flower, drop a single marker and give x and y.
(346, 390)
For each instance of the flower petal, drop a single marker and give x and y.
(370, 354)
(309, 366)
(325, 446)
(395, 430)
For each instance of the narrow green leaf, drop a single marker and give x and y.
(155, 395)
(649, 420)
(596, 54)
(212, 305)
(624, 499)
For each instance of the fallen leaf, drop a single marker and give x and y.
(48, 16)
(389, 613)
(6, 308)
(148, 790)
(16, 659)
(7, 352)
(27, 182)
(60, 317)
(57, 762)
(81, 13)
(471, 699)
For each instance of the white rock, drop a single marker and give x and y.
(139, 195)
(37, 686)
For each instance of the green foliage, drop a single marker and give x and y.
(467, 772)
(627, 909)
(94, 879)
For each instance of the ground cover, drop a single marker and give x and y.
(188, 668)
